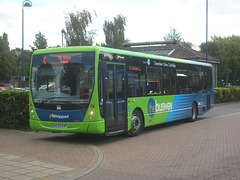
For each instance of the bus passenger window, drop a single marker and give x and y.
(208, 79)
(154, 76)
(182, 81)
(194, 81)
(136, 82)
(168, 81)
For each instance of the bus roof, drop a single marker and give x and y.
(117, 51)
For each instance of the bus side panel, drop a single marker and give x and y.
(162, 109)
(182, 105)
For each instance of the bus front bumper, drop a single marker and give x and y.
(97, 127)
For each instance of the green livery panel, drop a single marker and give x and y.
(155, 110)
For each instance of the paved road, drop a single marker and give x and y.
(206, 149)
(222, 110)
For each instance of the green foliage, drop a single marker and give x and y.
(40, 42)
(76, 33)
(187, 44)
(173, 35)
(11, 61)
(16, 64)
(14, 109)
(5, 65)
(227, 49)
(222, 95)
(114, 31)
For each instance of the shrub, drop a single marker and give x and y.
(14, 110)
(222, 95)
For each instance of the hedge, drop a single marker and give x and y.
(14, 109)
(223, 95)
(14, 106)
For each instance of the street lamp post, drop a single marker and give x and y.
(25, 3)
(206, 31)
(62, 36)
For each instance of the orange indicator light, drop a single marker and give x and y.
(44, 60)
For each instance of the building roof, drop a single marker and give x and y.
(170, 49)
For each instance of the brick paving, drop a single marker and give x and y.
(30, 155)
(208, 149)
(17, 168)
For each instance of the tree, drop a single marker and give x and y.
(76, 33)
(232, 55)
(16, 55)
(5, 65)
(40, 42)
(187, 44)
(5, 39)
(11, 61)
(173, 35)
(114, 31)
(227, 49)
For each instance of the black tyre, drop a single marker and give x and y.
(136, 123)
(194, 113)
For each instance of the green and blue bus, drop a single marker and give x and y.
(107, 91)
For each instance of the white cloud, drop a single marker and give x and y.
(10, 21)
(147, 20)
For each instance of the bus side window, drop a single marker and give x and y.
(182, 81)
(168, 81)
(154, 81)
(208, 79)
(195, 83)
(136, 84)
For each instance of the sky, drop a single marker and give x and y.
(147, 20)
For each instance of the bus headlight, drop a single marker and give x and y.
(32, 112)
(91, 113)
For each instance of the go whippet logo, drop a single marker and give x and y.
(56, 116)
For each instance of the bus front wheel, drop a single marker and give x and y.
(194, 113)
(136, 123)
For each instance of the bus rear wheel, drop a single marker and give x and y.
(194, 113)
(136, 123)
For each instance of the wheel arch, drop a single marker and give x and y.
(195, 102)
(194, 112)
(142, 114)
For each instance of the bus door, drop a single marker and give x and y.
(115, 98)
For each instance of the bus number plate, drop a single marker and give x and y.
(60, 125)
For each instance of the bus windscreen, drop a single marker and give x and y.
(62, 81)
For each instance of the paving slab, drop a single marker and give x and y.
(43, 156)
